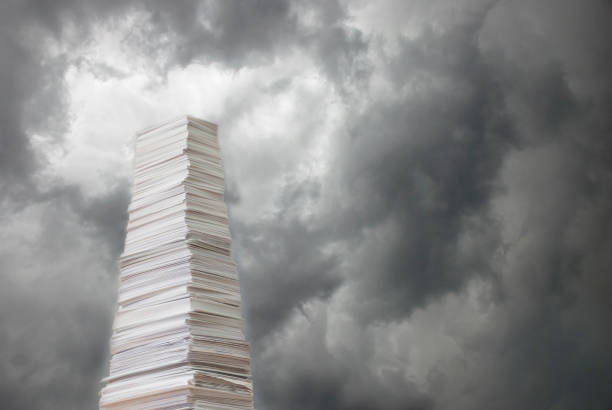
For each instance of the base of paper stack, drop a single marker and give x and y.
(179, 388)
(177, 337)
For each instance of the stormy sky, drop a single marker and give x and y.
(420, 192)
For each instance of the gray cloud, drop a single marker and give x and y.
(427, 165)
(486, 161)
(56, 299)
(58, 252)
(423, 175)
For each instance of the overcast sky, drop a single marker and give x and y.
(420, 192)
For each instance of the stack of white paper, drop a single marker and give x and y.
(177, 338)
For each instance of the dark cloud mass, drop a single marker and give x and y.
(453, 250)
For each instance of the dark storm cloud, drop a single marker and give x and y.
(238, 33)
(56, 298)
(322, 380)
(424, 165)
(19, 76)
(232, 31)
(58, 253)
(289, 271)
(559, 182)
(434, 165)
(427, 165)
(489, 160)
(32, 82)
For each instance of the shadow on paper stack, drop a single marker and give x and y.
(177, 338)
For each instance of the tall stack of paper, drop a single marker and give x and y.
(177, 338)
